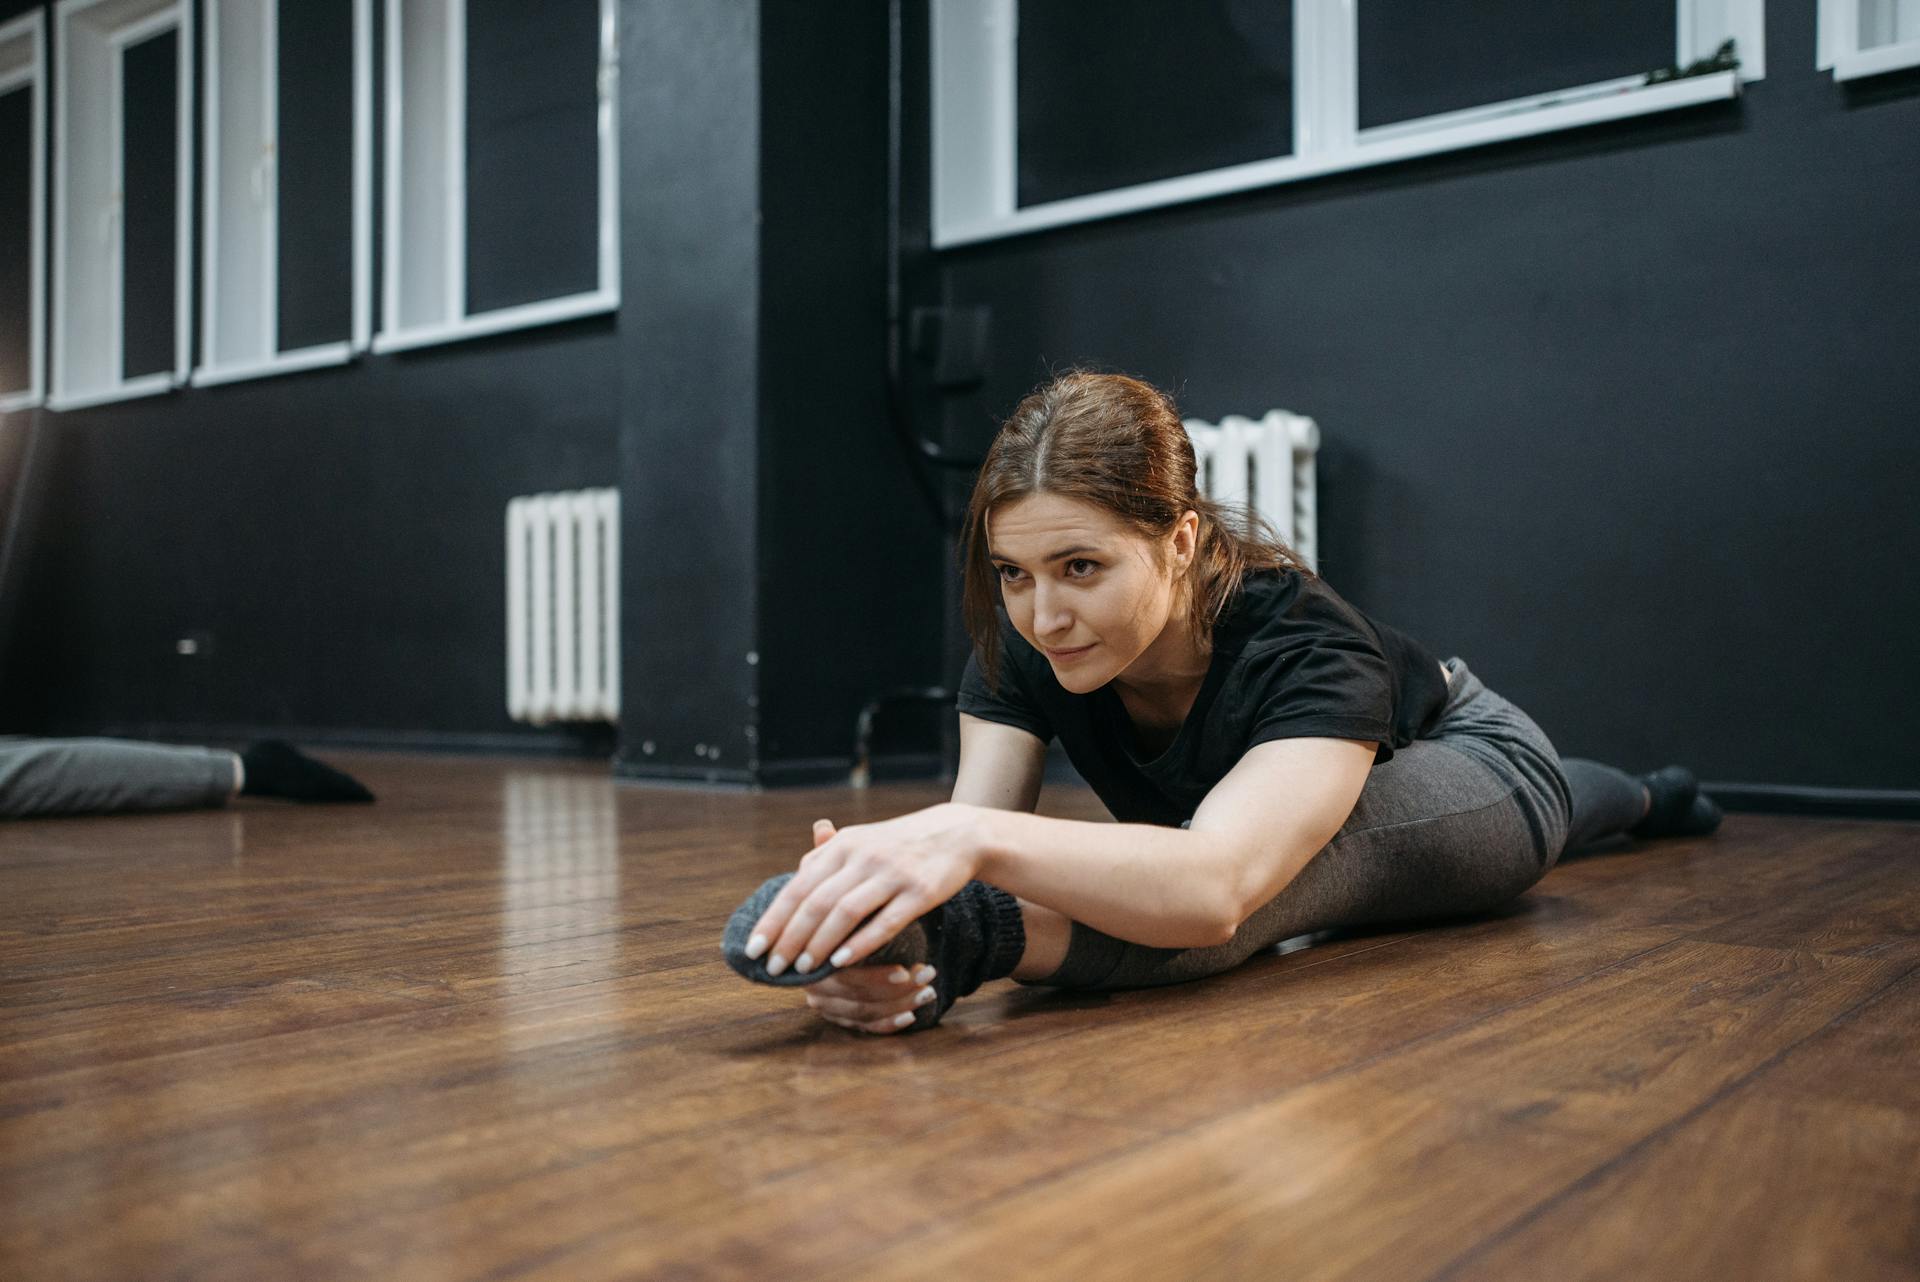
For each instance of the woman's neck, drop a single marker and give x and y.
(1170, 672)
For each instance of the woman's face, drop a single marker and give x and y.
(1086, 591)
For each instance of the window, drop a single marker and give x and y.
(1048, 112)
(287, 175)
(1868, 37)
(501, 198)
(23, 230)
(122, 154)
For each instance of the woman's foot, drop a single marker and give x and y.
(1675, 805)
(973, 937)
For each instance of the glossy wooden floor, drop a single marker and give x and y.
(481, 1030)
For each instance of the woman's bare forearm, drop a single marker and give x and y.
(1165, 887)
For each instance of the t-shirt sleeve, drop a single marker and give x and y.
(1011, 705)
(1328, 690)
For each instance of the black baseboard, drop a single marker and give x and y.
(1833, 803)
(590, 741)
(799, 773)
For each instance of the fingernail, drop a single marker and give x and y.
(804, 964)
(898, 975)
(776, 964)
(904, 1018)
(924, 975)
(756, 946)
(922, 997)
(840, 958)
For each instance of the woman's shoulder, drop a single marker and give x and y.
(1283, 606)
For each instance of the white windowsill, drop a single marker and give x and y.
(1874, 62)
(502, 321)
(14, 402)
(146, 385)
(1379, 146)
(284, 363)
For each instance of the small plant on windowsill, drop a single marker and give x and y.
(1724, 59)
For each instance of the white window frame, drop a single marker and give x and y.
(1839, 48)
(975, 130)
(32, 29)
(395, 335)
(68, 240)
(267, 359)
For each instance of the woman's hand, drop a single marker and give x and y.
(872, 999)
(900, 868)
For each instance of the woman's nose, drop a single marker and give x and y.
(1050, 614)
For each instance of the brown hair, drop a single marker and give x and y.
(1117, 443)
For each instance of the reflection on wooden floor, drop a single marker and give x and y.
(481, 1029)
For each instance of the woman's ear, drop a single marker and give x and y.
(1186, 537)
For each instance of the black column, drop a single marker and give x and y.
(689, 352)
(781, 564)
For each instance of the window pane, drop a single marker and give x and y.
(315, 252)
(1888, 22)
(151, 143)
(16, 238)
(1117, 92)
(533, 151)
(1425, 57)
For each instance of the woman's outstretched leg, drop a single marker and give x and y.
(1609, 803)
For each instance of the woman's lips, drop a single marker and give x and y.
(1072, 654)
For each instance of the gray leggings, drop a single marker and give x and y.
(1459, 822)
(93, 776)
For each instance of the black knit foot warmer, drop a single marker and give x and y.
(974, 937)
(277, 769)
(1679, 808)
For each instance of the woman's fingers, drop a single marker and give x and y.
(901, 910)
(868, 1013)
(873, 983)
(826, 916)
(773, 921)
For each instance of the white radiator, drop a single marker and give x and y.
(1268, 462)
(563, 607)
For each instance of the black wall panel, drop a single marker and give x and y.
(1421, 58)
(150, 181)
(16, 239)
(1117, 92)
(533, 159)
(315, 103)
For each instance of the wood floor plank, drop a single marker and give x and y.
(1810, 1169)
(1333, 1176)
(480, 1030)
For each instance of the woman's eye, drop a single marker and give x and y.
(1091, 567)
(1006, 573)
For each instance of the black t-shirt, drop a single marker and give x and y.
(1291, 659)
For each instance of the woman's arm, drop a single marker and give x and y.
(1185, 888)
(1000, 766)
(1165, 887)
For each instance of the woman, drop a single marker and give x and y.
(1278, 762)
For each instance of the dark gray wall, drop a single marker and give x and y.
(1624, 417)
(333, 539)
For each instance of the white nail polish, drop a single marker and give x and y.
(840, 958)
(776, 964)
(756, 946)
(898, 975)
(922, 997)
(803, 964)
(924, 975)
(904, 1018)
